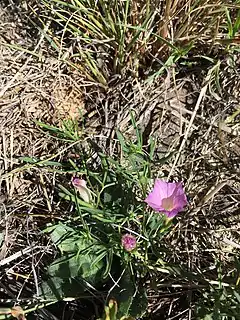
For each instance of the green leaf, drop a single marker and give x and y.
(75, 199)
(236, 25)
(69, 245)
(131, 301)
(139, 304)
(77, 267)
(137, 130)
(63, 236)
(229, 23)
(36, 160)
(237, 295)
(67, 133)
(122, 142)
(124, 294)
(80, 259)
(56, 288)
(154, 223)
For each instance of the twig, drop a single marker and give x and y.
(201, 95)
(17, 255)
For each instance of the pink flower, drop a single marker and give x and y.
(81, 186)
(167, 197)
(129, 242)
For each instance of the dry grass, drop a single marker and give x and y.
(32, 87)
(179, 111)
(133, 38)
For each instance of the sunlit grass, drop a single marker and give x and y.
(103, 38)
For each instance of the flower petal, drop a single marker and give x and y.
(167, 197)
(179, 189)
(84, 193)
(161, 187)
(180, 201)
(80, 185)
(78, 182)
(171, 188)
(171, 214)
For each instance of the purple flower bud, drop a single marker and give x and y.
(129, 242)
(81, 186)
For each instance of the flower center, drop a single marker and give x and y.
(167, 203)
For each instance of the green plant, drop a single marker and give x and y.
(104, 38)
(222, 300)
(90, 241)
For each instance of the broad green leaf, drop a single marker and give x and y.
(56, 288)
(131, 302)
(139, 304)
(84, 262)
(60, 233)
(124, 294)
